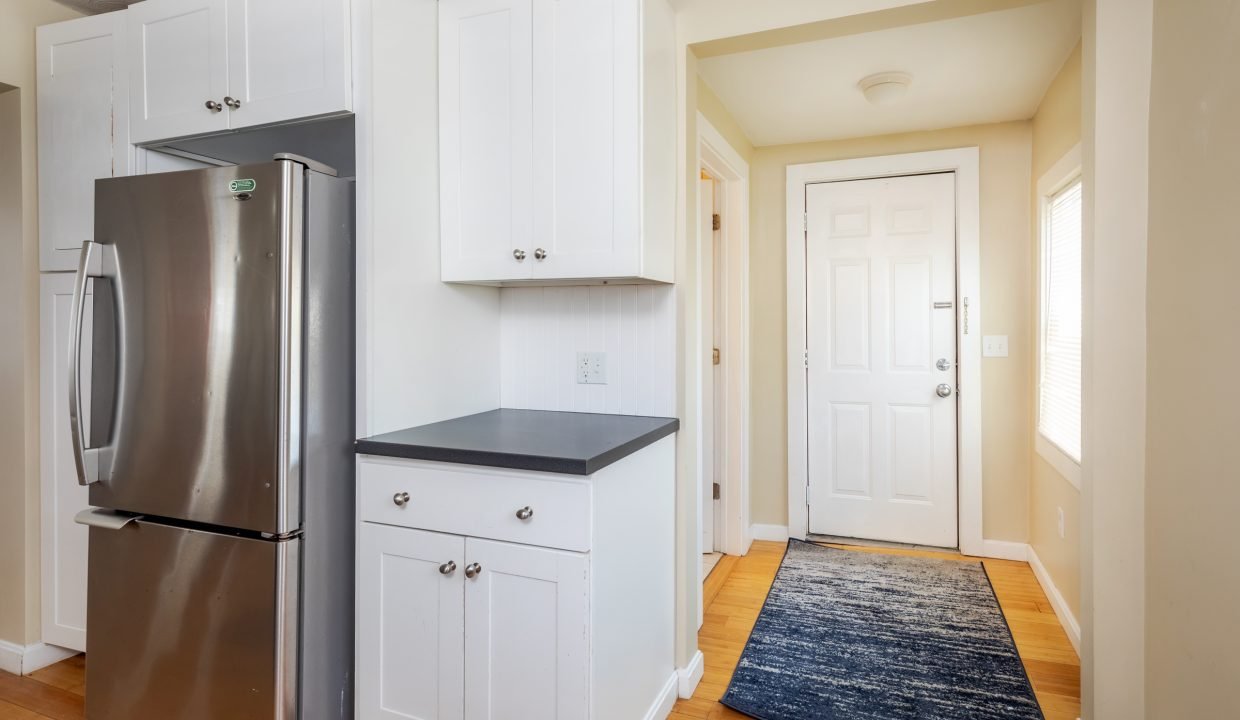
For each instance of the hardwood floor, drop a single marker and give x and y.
(734, 594)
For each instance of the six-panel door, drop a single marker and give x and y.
(178, 63)
(527, 648)
(410, 624)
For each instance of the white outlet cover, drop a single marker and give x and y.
(994, 346)
(591, 368)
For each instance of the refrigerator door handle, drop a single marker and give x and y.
(106, 519)
(90, 265)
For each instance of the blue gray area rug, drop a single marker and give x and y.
(864, 636)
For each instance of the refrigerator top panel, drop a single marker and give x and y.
(206, 269)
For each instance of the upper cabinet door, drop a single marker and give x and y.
(178, 66)
(287, 59)
(485, 139)
(83, 110)
(587, 152)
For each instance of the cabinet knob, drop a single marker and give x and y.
(519, 255)
(213, 106)
(401, 499)
(525, 513)
(232, 102)
(447, 568)
(540, 254)
(472, 570)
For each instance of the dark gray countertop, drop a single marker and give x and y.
(539, 440)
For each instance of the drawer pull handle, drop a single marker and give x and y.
(401, 499)
(525, 513)
(447, 568)
(472, 570)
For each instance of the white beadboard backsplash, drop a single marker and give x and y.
(543, 328)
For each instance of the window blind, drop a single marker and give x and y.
(1059, 416)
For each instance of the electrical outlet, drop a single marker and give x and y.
(1060, 511)
(995, 346)
(591, 368)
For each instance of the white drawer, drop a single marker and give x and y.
(475, 501)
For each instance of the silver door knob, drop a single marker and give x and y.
(213, 106)
(447, 568)
(401, 499)
(472, 570)
(525, 513)
(519, 255)
(232, 102)
(943, 390)
(540, 254)
(943, 364)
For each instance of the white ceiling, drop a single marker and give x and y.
(990, 67)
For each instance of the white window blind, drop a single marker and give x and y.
(1059, 414)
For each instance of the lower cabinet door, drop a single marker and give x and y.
(527, 646)
(410, 622)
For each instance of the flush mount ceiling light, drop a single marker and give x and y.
(884, 88)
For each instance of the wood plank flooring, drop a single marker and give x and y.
(734, 594)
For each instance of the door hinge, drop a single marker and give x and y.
(715, 222)
(806, 358)
(714, 356)
(714, 491)
(805, 222)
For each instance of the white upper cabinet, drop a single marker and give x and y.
(557, 140)
(179, 66)
(83, 107)
(204, 66)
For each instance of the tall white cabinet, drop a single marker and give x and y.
(557, 141)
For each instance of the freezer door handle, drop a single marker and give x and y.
(106, 519)
(86, 460)
(97, 262)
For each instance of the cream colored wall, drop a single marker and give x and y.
(19, 326)
(1005, 183)
(714, 111)
(1192, 454)
(1056, 130)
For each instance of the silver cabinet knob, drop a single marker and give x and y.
(447, 568)
(232, 102)
(519, 255)
(213, 106)
(401, 499)
(472, 570)
(943, 390)
(943, 364)
(540, 254)
(525, 513)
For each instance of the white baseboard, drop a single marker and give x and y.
(663, 704)
(690, 675)
(1062, 611)
(1005, 550)
(25, 659)
(775, 533)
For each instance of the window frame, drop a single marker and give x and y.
(1062, 174)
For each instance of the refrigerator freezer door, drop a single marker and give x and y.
(208, 285)
(191, 625)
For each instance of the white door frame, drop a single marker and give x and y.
(731, 172)
(964, 162)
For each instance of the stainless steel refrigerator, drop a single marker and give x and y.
(217, 443)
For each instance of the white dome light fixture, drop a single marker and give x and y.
(885, 88)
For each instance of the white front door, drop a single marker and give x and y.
(881, 319)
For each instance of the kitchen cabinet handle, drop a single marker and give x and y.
(472, 570)
(213, 106)
(232, 102)
(401, 499)
(540, 254)
(447, 568)
(525, 513)
(519, 255)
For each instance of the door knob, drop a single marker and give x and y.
(232, 102)
(519, 255)
(213, 106)
(944, 364)
(525, 513)
(448, 568)
(472, 570)
(944, 390)
(401, 499)
(540, 254)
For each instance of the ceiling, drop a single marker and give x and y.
(977, 68)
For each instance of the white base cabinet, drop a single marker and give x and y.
(479, 624)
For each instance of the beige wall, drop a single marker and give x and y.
(1006, 273)
(714, 111)
(1056, 130)
(19, 326)
(1192, 454)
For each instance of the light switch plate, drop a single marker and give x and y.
(591, 368)
(994, 346)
